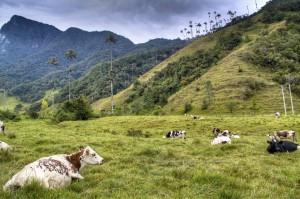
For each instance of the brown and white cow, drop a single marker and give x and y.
(55, 171)
(285, 134)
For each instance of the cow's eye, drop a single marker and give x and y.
(94, 154)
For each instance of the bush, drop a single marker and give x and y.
(77, 109)
(187, 107)
(138, 133)
(7, 115)
(33, 114)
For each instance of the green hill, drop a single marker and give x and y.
(238, 69)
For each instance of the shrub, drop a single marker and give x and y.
(77, 109)
(33, 114)
(8, 115)
(231, 106)
(187, 107)
(138, 133)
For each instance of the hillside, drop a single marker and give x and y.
(238, 78)
(26, 46)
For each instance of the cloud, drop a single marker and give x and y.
(139, 20)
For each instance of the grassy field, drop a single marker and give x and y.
(141, 164)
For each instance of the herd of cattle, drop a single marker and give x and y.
(57, 171)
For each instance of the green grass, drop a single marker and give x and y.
(139, 166)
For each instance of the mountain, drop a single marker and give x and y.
(26, 46)
(237, 69)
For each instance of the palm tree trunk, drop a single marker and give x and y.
(111, 83)
(53, 99)
(69, 86)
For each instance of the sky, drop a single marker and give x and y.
(137, 20)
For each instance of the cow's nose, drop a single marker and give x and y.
(102, 161)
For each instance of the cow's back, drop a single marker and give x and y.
(51, 172)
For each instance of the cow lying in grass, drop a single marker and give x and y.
(277, 115)
(281, 146)
(217, 132)
(56, 171)
(285, 134)
(176, 134)
(221, 140)
(4, 146)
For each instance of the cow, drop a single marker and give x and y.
(281, 146)
(5, 147)
(176, 134)
(2, 128)
(285, 134)
(277, 115)
(196, 117)
(221, 140)
(55, 171)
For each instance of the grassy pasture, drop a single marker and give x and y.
(141, 164)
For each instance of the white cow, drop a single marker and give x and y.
(277, 115)
(56, 171)
(221, 140)
(4, 146)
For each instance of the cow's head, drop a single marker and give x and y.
(182, 134)
(89, 156)
(273, 146)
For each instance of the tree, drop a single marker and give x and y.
(231, 106)
(111, 39)
(191, 26)
(44, 107)
(70, 55)
(54, 63)
(209, 20)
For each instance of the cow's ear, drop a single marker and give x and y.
(81, 148)
(87, 151)
(269, 142)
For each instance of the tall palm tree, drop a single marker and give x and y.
(219, 16)
(182, 33)
(215, 13)
(70, 55)
(209, 20)
(191, 26)
(205, 23)
(111, 39)
(185, 32)
(54, 63)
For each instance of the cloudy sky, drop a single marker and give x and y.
(138, 20)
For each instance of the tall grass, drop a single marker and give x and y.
(139, 166)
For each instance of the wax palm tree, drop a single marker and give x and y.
(205, 23)
(182, 33)
(209, 20)
(199, 30)
(218, 16)
(191, 26)
(215, 13)
(54, 63)
(111, 39)
(70, 55)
